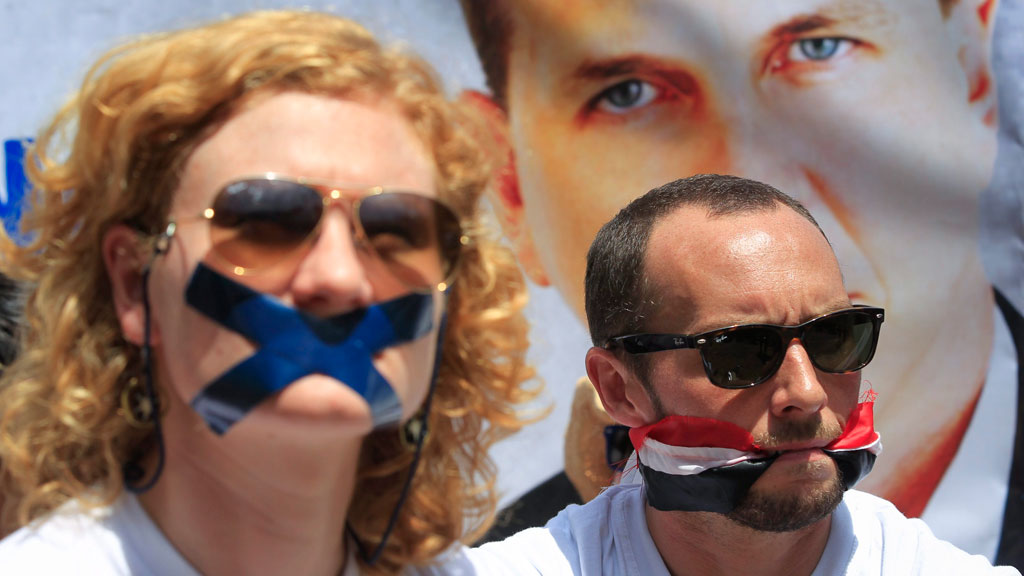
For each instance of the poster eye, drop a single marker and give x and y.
(625, 96)
(819, 48)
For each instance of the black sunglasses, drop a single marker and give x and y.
(745, 355)
(258, 222)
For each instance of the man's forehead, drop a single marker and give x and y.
(619, 22)
(697, 229)
(745, 261)
(695, 232)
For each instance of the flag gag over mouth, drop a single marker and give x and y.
(292, 344)
(704, 465)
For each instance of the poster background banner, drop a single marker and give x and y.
(49, 43)
(12, 188)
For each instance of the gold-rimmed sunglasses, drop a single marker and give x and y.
(260, 221)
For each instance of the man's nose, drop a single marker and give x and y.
(332, 277)
(757, 146)
(797, 390)
(760, 144)
(765, 150)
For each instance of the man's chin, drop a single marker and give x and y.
(797, 507)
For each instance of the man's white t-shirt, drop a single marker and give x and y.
(609, 536)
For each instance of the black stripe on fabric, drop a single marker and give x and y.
(853, 465)
(721, 489)
(714, 490)
(1011, 544)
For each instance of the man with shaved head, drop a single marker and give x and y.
(725, 339)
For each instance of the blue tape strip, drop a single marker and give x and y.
(292, 344)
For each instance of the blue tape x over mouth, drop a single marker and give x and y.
(292, 344)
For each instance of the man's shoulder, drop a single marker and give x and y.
(575, 535)
(887, 542)
(581, 539)
(615, 508)
(531, 551)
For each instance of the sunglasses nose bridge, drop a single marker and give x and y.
(332, 196)
(787, 335)
(346, 202)
(791, 334)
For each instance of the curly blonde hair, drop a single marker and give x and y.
(114, 154)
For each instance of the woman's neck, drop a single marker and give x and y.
(251, 503)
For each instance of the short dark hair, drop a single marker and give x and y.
(617, 294)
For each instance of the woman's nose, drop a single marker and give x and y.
(332, 277)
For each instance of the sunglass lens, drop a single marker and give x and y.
(260, 222)
(417, 236)
(842, 342)
(740, 357)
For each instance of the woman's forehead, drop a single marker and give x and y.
(318, 137)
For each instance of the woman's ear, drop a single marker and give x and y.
(622, 394)
(124, 257)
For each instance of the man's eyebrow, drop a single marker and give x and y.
(612, 67)
(869, 12)
(801, 25)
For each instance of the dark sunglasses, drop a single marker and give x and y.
(261, 221)
(745, 355)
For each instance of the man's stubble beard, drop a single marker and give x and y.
(790, 511)
(787, 512)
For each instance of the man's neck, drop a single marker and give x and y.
(710, 544)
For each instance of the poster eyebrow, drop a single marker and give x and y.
(592, 69)
(869, 12)
(801, 25)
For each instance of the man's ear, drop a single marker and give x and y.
(125, 260)
(970, 25)
(504, 191)
(624, 398)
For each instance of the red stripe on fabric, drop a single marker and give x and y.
(694, 432)
(860, 429)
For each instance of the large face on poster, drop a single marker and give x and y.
(878, 115)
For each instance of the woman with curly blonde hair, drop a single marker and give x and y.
(267, 332)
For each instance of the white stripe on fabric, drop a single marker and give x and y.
(688, 460)
(875, 447)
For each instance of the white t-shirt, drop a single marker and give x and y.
(118, 540)
(609, 536)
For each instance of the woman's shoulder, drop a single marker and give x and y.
(74, 539)
(77, 538)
